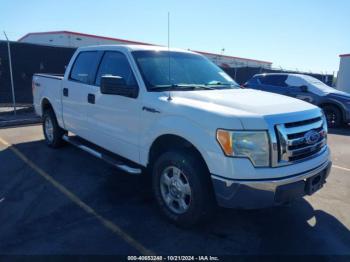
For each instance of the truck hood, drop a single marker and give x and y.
(246, 100)
(252, 108)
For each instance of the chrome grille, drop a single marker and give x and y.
(297, 141)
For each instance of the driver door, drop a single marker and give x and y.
(114, 120)
(274, 84)
(298, 88)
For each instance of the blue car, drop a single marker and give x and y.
(335, 104)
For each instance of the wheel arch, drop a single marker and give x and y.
(165, 141)
(45, 105)
(336, 105)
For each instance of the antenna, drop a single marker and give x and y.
(168, 30)
(169, 73)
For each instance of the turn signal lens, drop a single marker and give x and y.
(225, 140)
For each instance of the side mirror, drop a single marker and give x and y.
(116, 85)
(304, 89)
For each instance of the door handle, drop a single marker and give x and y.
(65, 91)
(91, 98)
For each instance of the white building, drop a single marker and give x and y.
(343, 79)
(73, 39)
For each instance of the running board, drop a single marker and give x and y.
(117, 163)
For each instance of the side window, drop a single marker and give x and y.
(265, 80)
(84, 67)
(253, 80)
(274, 80)
(116, 64)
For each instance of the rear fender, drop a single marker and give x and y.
(56, 109)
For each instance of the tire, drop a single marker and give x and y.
(333, 116)
(194, 179)
(52, 131)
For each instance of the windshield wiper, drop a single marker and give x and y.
(180, 87)
(218, 83)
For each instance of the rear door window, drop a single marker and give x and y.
(84, 68)
(274, 80)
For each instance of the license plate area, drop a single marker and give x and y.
(315, 183)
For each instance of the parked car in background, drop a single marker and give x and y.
(335, 104)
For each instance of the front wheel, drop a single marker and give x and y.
(182, 187)
(333, 116)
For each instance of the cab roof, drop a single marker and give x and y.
(280, 74)
(131, 48)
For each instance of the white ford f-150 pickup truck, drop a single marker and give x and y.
(177, 117)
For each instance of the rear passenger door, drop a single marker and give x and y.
(75, 91)
(114, 120)
(274, 83)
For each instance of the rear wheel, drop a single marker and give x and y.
(52, 131)
(333, 116)
(182, 187)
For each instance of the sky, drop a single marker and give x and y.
(305, 35)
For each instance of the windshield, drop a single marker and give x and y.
(314, 85)
(163, 70)
(319, 84)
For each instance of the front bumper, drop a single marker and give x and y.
(251, 194)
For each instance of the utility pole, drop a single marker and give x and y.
(169, 59)
(11, 75)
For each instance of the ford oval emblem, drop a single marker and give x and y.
(312, 137)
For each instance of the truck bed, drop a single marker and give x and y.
(47, 86)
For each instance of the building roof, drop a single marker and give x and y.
(87, 35)
(233, 57)
(344, 55)
(136, 43)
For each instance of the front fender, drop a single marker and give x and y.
(203, 139)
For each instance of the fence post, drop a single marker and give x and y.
(11, 75)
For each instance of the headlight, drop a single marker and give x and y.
(250, 144)
(325, 125)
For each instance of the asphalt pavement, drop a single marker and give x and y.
(66, 201)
